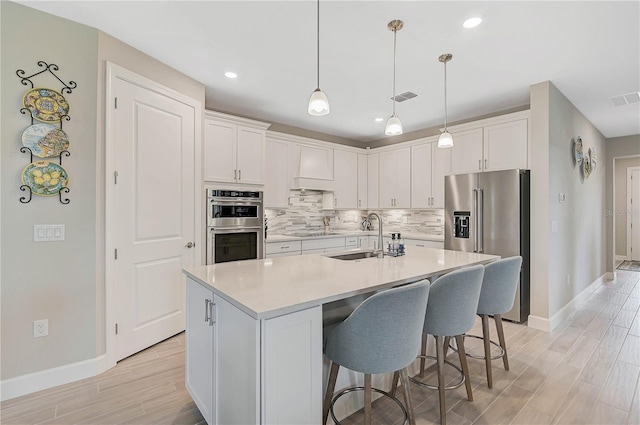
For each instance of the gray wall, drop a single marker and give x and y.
(568, 259)
(48, 280)
(620, 211)
(618, 147)
(60, 281)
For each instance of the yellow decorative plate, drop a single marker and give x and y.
(45, 104)
(45, 178)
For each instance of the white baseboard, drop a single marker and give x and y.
(37, 381)
(547, 325)
(621, 258)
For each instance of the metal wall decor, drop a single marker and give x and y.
(45, 139)
(586, 161)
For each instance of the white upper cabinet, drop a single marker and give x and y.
(421, 170)
(345, 176)
(501, 145)
(373, 165)
(429, 165)
(362, 180)
(505, 146)
(276, 182)
(466, 153)
(233, 149)
(395, 178)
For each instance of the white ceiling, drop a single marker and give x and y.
(589, 50)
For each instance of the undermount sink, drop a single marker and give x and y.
(354, 255)
(304, 234)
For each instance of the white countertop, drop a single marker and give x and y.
(276, 286)
(344, 233)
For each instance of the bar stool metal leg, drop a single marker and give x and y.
(407, 395)
(463, 363)
(441, 383)
(331, 385)
(503, 344)
(394, 383)
(367, 399)
(423, 352)
(487, 348)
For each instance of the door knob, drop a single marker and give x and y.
(190, 245)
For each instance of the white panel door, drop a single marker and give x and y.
(466, 153)
(505, 146)
(153, 202)
(441, 168)
(250, 150)
(373, 166)
(276, 182)
(200, 360)
(634, 217)
(363, 159)
(421, 176)
(345, 176)
(220, 151)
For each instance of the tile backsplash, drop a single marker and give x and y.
(305, 213)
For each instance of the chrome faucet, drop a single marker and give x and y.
(379, 250)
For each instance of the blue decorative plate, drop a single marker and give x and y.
(45, 140)
(45, 178)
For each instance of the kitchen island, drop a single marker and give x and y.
(254, 328)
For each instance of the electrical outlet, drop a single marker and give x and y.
(40, 328)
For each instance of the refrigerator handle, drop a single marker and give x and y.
(479, 220)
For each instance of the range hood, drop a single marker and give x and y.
(314, 167)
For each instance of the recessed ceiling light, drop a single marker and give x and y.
(472, 22)
(230, 74)
(379, 119)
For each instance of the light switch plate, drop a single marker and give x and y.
(48, 232)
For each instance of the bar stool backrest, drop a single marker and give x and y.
(383, 333)
(499, 285)
(453, 301)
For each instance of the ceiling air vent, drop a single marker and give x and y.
(404, 96)
(625, 99)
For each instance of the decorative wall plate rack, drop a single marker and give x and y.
(43, 177)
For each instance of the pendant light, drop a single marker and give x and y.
(394, 126)
(445, 140)
(318, 103)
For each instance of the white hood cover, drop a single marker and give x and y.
(315, 168)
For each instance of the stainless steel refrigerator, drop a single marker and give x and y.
(489, 213)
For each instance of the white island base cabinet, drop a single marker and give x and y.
(242, 370)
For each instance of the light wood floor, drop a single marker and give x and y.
(584, 372)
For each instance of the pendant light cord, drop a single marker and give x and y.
(318, 44)
(445, 96)
(393, 99)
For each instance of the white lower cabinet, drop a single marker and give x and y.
(282, 249)
(423, 243)
(324, 245)
(241, 370)
(351, 242)
(200, 336)
(364, 242)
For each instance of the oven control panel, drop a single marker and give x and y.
(215, 193)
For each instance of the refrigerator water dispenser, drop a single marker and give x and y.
(461, 224)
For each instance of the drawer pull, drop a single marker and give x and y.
(284, 247)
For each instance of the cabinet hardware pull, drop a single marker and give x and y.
(284, 247)
(206, 310)
(212, 313)
(239, 175)
(479, 164)
(235, 174)
(485, 163)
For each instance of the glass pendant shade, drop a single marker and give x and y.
(393, 127)
(318, 103)
(445, 140)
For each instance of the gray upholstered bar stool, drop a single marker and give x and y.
(380, 336)
(451, 310)
(498, 293)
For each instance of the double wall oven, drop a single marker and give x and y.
(235, 225)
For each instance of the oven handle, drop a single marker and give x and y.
(234, 229)
(237, 201)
